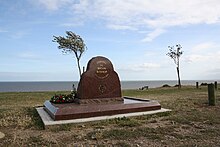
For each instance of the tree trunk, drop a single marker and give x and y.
(178, 74)
(80, 73)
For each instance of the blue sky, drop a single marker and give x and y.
(133, 34)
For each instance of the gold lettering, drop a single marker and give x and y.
(101, 62)
(101, 68)
(101, 71)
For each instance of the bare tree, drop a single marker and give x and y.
(72, 43)
(175, 53)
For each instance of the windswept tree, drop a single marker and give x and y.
(72, 43)
(175, 53)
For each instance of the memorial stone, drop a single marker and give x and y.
(99, 83)
(99, 94)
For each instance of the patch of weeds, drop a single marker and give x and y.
(120, 121)
(102, 123)
(99, 127)
(163, 114)
(2, 111)
(36, 141)
(157, 115)
(126, 122)
(101, 145)
(65, 138)
(94, 135)
(210, 132)
(212, 119)
(119, 134)
(185, 127)
(36, 120)
(181, 120)
(181, 136)
(122, 144)
(150, 133)
(63, 127)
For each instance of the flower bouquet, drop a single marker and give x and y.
(63, 98)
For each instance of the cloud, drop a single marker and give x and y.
(140, 67)
(69, 24)
(155, 14)
(149, 65)
(204, 47)
(197, 58)
(121, 27)
(203, 52)
(150, 15)
(141, 15)
(152, 35)
(53, 5)
(150, 54)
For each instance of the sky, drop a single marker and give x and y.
(133, 34)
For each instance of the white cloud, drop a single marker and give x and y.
(197, 58)
(204, 47)
(151, 36)
(71, 24)
(53, 5)
(210, 58)
(140, 67)
(158, 13)
(150, 54)
(155, 16)
(203, 52)
(121, 27)
(149, 65)
(151, 15)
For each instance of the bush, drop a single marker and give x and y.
(166, 85)
(203, 84)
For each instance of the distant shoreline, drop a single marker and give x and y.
(30, 86)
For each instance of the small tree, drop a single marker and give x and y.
(175, 53)
(72, 43)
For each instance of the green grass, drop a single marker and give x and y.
(192, 122)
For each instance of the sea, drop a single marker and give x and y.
(68, 85)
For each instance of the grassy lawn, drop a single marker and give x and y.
(191, 123)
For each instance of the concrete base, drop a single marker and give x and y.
(48, 121)
(78, 111)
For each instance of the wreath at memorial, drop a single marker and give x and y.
(63, 98)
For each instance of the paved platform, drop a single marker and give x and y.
(71, 111)
(48, 121)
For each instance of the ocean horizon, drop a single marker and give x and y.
(32, 86)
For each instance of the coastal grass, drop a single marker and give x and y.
(192, 122)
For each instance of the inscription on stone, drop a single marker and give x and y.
(100, 81)
(101, 70)
(102, 88)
